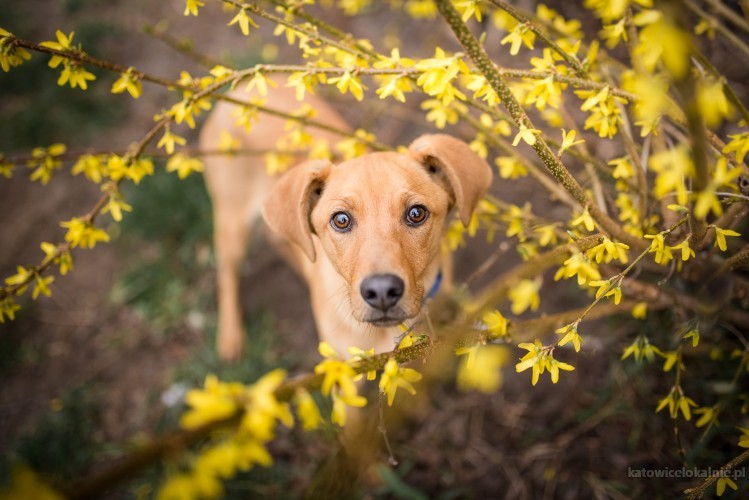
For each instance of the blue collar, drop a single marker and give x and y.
(435, 288)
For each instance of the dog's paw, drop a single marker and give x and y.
(230, 347)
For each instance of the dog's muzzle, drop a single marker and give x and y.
(383, 292)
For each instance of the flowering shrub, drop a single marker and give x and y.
(650, 229)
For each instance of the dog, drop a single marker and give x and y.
(364, 234)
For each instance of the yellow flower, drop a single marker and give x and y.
(129, 81)
(693, 334)
(570, 335)
(220, 72)
(45, 161)
(744, 438)
(184, 165)
(361, 354)
(337, 373)
(140, 168)
(22, 277)
(723, 481)
(118, 167)
(672, 167)
(720, 237)
(396, 86)
(349, 82)
(568, 140)
(6, 167)
(244, 20)
(216, 401)
(8, 309)
(739, 144)
(262, 409)
(394, 61)
(116, 204)
(438, 73)
(528, 135)
(662, 41)
(496, 323)
(712, 102)
(169, 139)
(709, 416)
(59, 255)
(641, 348)
(609, 10)
(177, 486)
(669, 360)
(10, 54)
(41, 285)
(686, 251)
(91, 166)
(623, 169)
(83, 233)
(340, 402)
(609, 250)
(614, 33)
(540, 359)
(277, 163)
(659, 248)
(520, 35)
(605, 114)
(440, 113)
(24, 483)
(640, 310)
(261, 82)
(481, 369)
(303, 82)
(606, 288)
(183, 111)
(547, 234)
(584, 219)
(75, 75)
(63, 43)
(421, 9)
(307, 410)
(578, 265)
(524, 295)
(191, 7)
(393, 377)
(468, 9)
(227, 143)
(482, 89)
(676, 402)
(355, 146)
(707, 199)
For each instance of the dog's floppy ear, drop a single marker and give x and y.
(467, 173)
(289, 204)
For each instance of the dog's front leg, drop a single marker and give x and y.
(231, 232)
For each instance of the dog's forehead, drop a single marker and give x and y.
(382, 170)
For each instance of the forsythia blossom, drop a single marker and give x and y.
(541, 359)
(393, 377)
(481, 369)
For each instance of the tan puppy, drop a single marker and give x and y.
(365, 234)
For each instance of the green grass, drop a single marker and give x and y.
(167, 240)
(62, 443)
(38, 112)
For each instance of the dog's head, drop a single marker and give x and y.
(379, 218)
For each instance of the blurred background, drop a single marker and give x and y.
(102, 365)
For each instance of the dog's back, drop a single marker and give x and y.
(238, 185)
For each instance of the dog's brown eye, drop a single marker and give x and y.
(416, 215)
(341, 221)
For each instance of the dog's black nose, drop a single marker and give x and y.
(382, 291)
